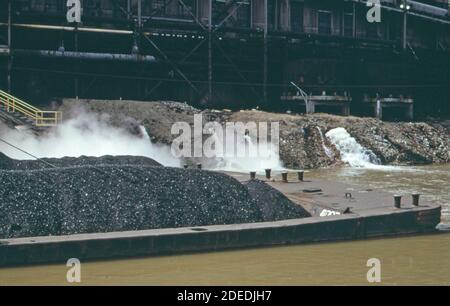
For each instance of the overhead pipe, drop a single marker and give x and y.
(69, 28)
(423, 8)
(87, 55)
(416, 14)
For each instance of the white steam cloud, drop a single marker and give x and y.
(250, 157)
(86, 134)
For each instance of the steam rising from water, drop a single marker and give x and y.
(250, 157)
(85, 134)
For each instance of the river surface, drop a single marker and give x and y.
(407, 260)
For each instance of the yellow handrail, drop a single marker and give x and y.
(39, 117)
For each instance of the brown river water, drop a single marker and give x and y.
(413, 260)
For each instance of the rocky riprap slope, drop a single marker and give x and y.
(303, 144)
(111, 198)
(302, 140)
(401, 143)
(441, 124)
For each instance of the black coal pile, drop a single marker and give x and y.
(88, 199)
(7, 163)
(273, 204)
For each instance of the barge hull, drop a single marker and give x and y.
(58, 249)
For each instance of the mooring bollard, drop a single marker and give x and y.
(284, 175)
(416, 197)
(397, 201)
(301, 175)
(199, 166)
(268, 173)
(252, 175)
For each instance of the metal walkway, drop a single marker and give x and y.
(17, 113)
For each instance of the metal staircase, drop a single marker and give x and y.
(18, 113)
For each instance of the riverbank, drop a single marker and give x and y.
(303, 141)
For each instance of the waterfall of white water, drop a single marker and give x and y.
(351, 151)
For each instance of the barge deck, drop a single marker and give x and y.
(339, 212)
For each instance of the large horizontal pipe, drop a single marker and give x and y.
(73, 29)
(428, 9)
(87, 55)
(69, 28)
(420, 9)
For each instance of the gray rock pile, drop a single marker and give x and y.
(118, 198)
(273, 204)
(109, 198)
(7, 163)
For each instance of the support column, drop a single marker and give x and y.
(76, 82)
(405, 29)
(354, 20)
(210, 65)
(139, 14)
(379, 110)
(410, 112)
(277, 13)
(9, 23)
(137, 42)
(129, 10)
(266, 30)
(311, 107)
(346, 109)
(9, 47)
(9, 83)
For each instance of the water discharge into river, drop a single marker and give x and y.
(351, 151)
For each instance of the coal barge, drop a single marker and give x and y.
(336, 211)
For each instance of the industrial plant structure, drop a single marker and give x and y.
(276, 54)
